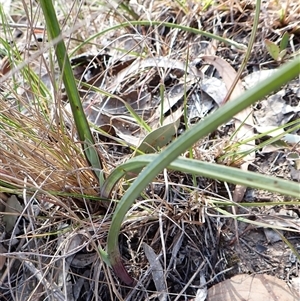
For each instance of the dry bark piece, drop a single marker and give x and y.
(252, 288)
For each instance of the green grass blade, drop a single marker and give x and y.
(166, 24)
(208, 170)
(81, 122)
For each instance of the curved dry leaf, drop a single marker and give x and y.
(256, 77)
(244, 123)
(82, 260)
(92, 67)
(5, 66)
(215, 88)
(275, 111)
(212, 92)
(141, 102)
(227, 73)
(252, 288)
(156, 62)
(113, 113)
(68, 246)
(172, 96)
(97, 104)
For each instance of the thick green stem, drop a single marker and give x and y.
(81, 122)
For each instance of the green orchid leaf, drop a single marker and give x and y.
(273, 49)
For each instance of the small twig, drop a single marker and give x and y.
(19, 25)
(248, 52)
(216, 276)
(190, 281)
(234, 212)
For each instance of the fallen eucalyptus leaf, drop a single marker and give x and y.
(244, 123)
(13, 209)
(157, 272)
(252, 288)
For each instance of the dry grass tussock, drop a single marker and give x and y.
(53, 219)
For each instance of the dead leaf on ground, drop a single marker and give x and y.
(3, 257)
(157, 272)
(142, 98)
(244, 123)
(13, 209)
(252, 288)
